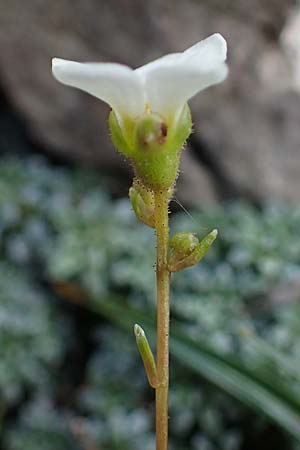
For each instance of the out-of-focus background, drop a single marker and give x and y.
(76, 268)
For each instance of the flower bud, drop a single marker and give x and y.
(186, 250)
(142, 201)
(183, 244)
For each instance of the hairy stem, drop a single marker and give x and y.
(163, 318)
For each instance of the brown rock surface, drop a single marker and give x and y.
(248, 127)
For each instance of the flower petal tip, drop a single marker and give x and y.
(221, 43)
(56, 62)
(57, 65)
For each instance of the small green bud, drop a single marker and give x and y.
(186, 250)
(142, 201)
(153, 145)
(146, 355)
(183, 244)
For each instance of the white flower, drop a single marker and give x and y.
(162, 86)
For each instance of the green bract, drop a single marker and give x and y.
(153, 146)
(142, 201)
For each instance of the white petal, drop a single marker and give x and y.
(115, 84)
(168, 90)
(173, 79)
(170, 58)
(212, 50)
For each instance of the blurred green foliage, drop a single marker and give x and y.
(31, 337)
(70, 380)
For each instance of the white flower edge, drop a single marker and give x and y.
(162, 86)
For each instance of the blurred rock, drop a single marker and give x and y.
(248, 126)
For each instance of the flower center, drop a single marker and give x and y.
(150, 132)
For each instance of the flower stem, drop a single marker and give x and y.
(163, 318)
